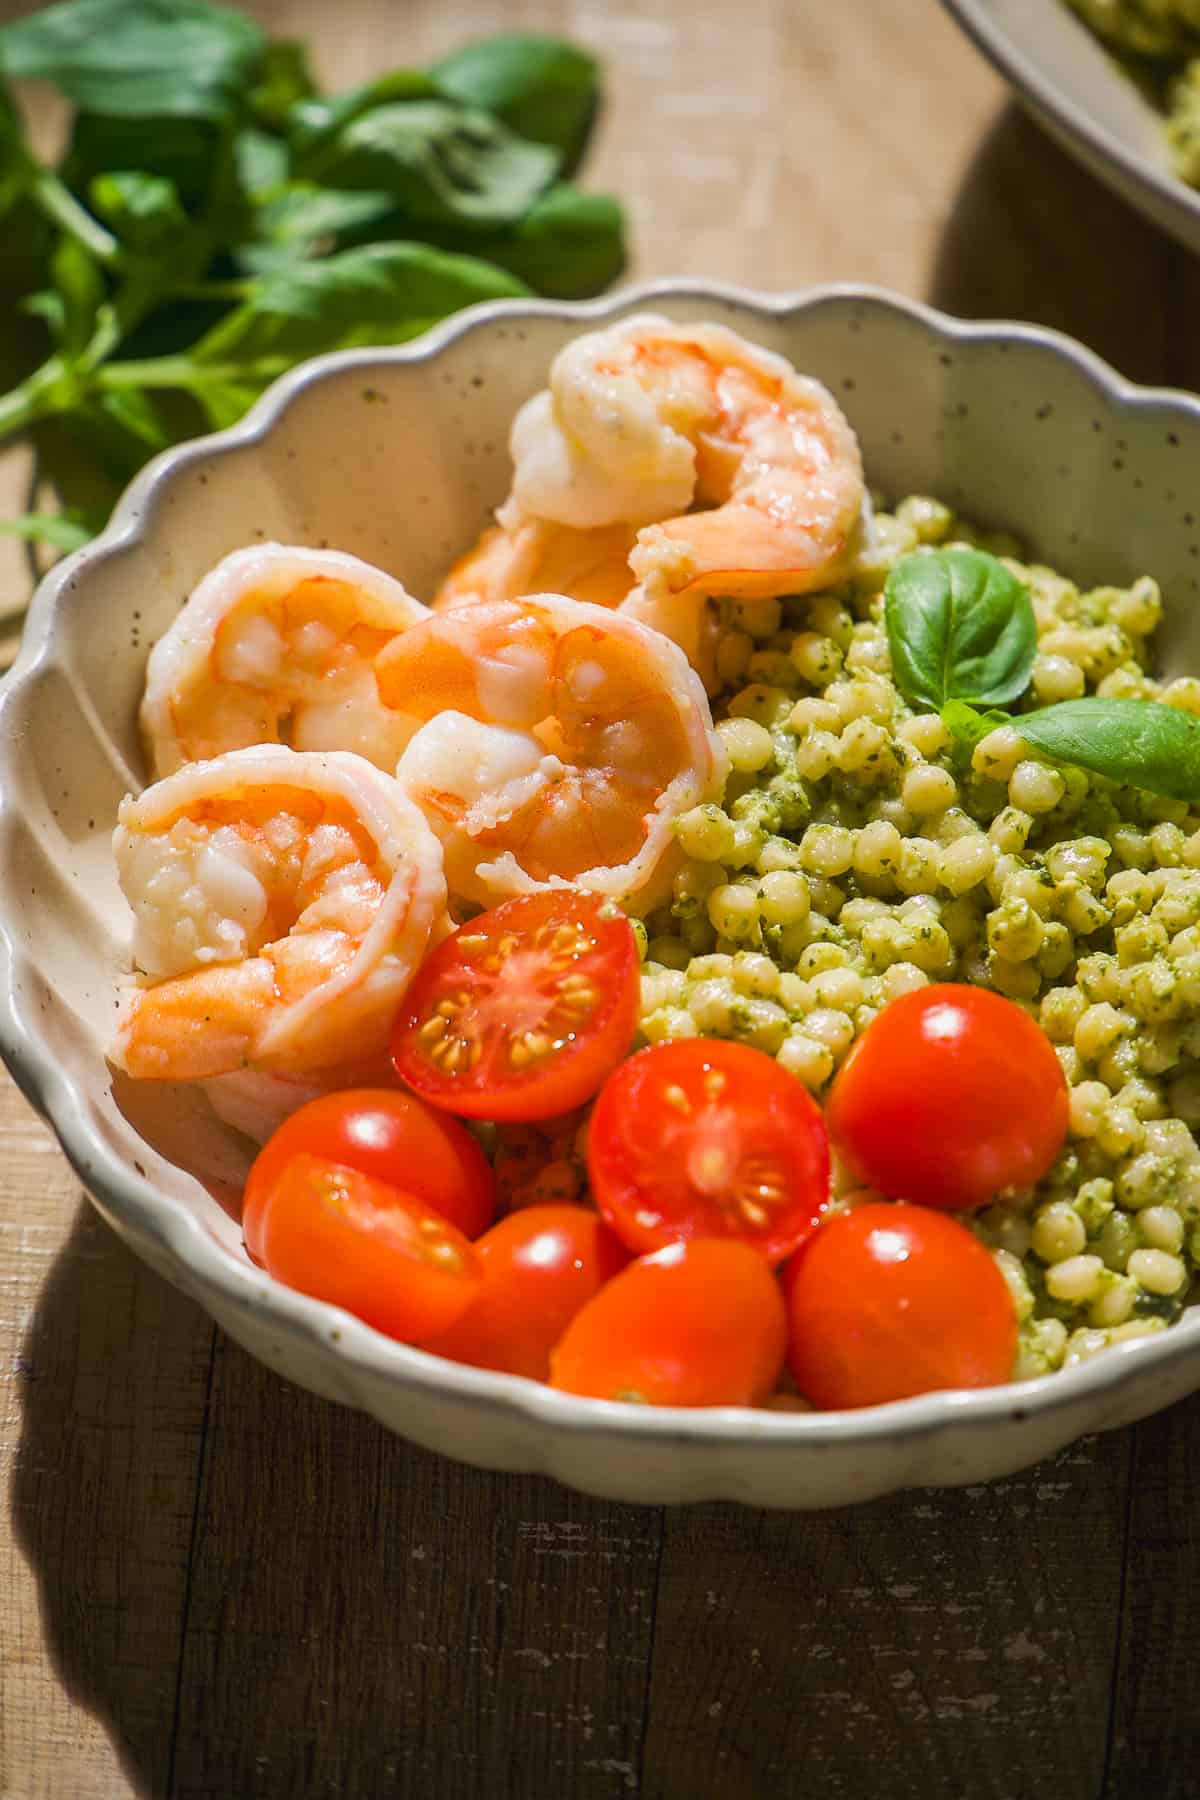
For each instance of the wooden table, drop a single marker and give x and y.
(216, 1585)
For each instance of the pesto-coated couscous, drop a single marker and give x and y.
(1159, 42)
(860, 853)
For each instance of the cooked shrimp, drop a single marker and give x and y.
(256, 1104)
(647, 419)
(562, 743)
(282, 901)
(533, 556)
(277, 645)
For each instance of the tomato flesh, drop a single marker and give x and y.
(521, 1013)
(951, 1095)
(387, 1134)
(891, 1300)
(696, 1324)
(699, 1139)
(540, 1266)
(358, 1243)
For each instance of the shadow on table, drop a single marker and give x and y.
(114, 1371)
(1031, 235)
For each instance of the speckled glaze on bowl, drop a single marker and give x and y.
(1084, 99)
(398, 455)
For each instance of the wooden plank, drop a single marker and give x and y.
(1155, 1729)
(366, 1618)
(957, 1643)
(104, 1374)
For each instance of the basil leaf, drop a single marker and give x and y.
(313, 123)
(182, 151)
(568, 245)
(959, 626)
(969, 727)
(1140, 743)
(58, 529)
(260, 161)
(143, 210)
(137, 59)
(539, 86)
(15, 160)
(383, 293)
(441, 162)
(299, 219)
(284, 80)
(79, 285)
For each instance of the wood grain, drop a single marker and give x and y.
(216, 1585)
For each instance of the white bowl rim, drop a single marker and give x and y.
(1046, 96)
(157, 1218)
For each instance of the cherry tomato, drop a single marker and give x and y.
(699, 1139)
(389, 1135)
(891, 1300)
(342, 1236)
(697, 1324)
(540, 1266)
(950, 1096)
(523, 1011)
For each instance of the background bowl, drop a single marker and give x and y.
(1072, 85)
(398, 455)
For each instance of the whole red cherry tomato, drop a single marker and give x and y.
(540, 1265)
(890, 1300)
(390, 1135)
(696, 1324)
(951, 1095)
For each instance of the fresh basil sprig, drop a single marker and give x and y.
(962, 637)
(960, 627)
(216, 218)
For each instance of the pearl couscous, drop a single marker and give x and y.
(859, 854)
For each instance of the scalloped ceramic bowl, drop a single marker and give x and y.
(397, 455)
(1086, 101)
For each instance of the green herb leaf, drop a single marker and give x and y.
(137, 59)
(301, 219)
(79, 286)
(960, 626)
(969, 727)
(260, 161)
(143, 210)
(313, 123)
(568, 245)
(441, 162)
(1141, 743)
(16, 164)
(58, 529)
(182, 151)
(543, 88)
(382, 293)
(284, 80)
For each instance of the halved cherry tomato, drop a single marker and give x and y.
(698, 1139)
(523, 1011)
(390, 1135)
(384, 1255)
(891, 1300)
(950, 1096)
(696, 1324)
(540, 1266)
